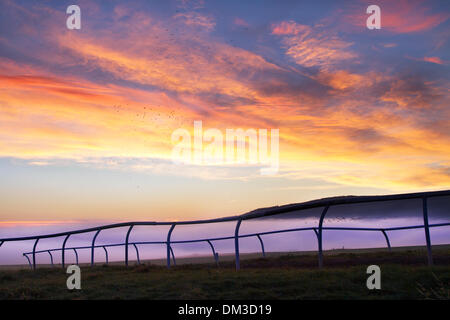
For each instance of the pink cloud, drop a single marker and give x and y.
(289, 28)
(197, 20)
(398, 16)
(312, 46)
(436, 60)
(241, 22)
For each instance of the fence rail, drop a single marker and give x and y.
(325, 204)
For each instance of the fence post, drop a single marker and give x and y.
(262, 245)
(236, 244)
(168, 244)
(63, 260)
(427, 230)
(387, 239)
(137, 253)
(106, 254)
(126, 244)
(319, 237)
(34, 253)
(92, 247)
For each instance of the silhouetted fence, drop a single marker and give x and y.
(326, 204)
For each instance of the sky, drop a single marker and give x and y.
(87, 116)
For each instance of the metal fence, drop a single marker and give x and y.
(325, 204)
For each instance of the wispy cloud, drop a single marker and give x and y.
(402, 16)
(310, 46)
(435, 60)
(197, 20)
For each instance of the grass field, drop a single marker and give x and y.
(404, 275)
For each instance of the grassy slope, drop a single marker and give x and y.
(283, 277)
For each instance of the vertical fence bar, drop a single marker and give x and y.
(63, 256)
(137, 253)
(168, 244)
(387, 239)
(106, 254)
(126, 244)
(76, 255)
(236, 244)
(427, 230)
(51, 257)
(262, 245)
(216, 257)
(317, 234)
(1, 243)
(34, 253)
(319, 237)
(29, 261)
(93, 247)
(173, 256)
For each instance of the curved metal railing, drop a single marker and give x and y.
(265, 212)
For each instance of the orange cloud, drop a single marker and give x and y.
(342, 79)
